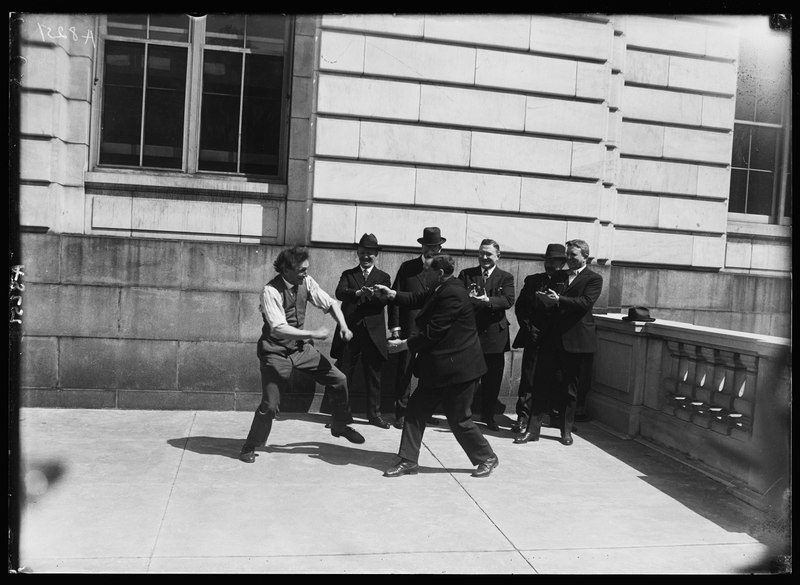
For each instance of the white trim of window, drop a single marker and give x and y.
(743, 224)
(193, 100)
(136, 179)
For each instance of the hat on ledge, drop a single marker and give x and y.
(555, 251)
(431, 236)
(369, 241)
(638, 314)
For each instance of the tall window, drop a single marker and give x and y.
(761, 166)
(203, 94)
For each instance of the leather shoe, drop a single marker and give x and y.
(520, 425)
(485, 468)
(526, 437)
(348, 433)
(247, 455)
(566, 439)
(491, 425)
(405, 467)
(399, 421)
(379, 422)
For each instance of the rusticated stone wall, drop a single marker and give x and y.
(114, 322)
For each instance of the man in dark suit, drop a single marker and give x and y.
(366, 317)
(491, 292)
(572, 340)
(412, 277)
(535, 313)
(449, 362)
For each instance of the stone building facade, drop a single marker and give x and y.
(142, 278)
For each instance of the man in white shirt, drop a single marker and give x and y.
(285, 346)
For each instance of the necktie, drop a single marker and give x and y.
(485, 275)
(365, 273)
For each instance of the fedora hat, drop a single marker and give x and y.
(555, 251)
(431, 236)
(638, 314)
(369, 241)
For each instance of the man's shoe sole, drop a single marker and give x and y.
(408, 472)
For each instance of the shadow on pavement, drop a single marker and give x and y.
(701, 494)
(326, 452)
(344, 455)
(222, 446)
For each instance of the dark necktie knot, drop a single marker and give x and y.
(485, 274)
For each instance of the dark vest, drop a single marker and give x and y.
(295, 310)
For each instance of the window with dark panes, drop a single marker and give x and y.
(201, 94)
(761, 158)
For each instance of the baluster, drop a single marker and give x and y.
(743, 393)
(701, 392)
(704, 372)
(669, 365)
(686, 379)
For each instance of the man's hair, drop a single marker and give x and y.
(444, 262)
(490, 242)
(290, 258)
(579, 244)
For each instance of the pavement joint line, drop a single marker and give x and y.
(171, 490)
(337, 555)
(642, 547)
(469, 495)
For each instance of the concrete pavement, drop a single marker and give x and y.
(123, 491)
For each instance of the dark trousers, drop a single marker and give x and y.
(571, 366)
(276, 374)
(525, 390)
(490, 383)
(362, 351)
(457, 401)
(402, 388)
(541, 380)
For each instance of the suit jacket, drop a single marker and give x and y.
(446, 344)
(410, 278)
(491, 319)
(361, 312)
(574, 322)
(535, 312)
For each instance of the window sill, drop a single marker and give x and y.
(130, 179)
(762, 230)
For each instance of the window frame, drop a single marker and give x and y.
(192, 110)
(781, 164)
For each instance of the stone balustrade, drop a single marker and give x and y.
(719, 399)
